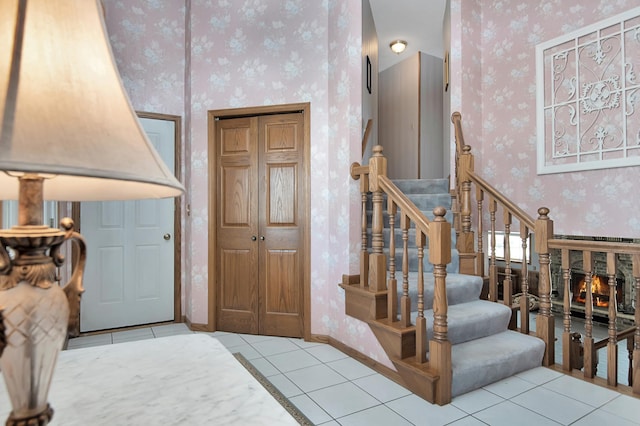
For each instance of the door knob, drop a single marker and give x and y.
(253, 238)
(262, 238)
(167, 237)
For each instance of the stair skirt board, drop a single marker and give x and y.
(471, 320)
(483, 361)
(461, 288)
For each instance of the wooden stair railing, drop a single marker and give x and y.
(472, 261)
(373, 296)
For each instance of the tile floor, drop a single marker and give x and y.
(334, 389)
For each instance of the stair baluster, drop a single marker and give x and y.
(493, 269)
(405, 302)
(524, 288)
(569, 357)
(612, 344)
(587, 265)
(364, 253)
(392, 283)
(421, 321)
(480, 251)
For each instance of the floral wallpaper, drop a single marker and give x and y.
(189, 57)
(493, 86)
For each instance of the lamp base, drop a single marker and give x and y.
(41, 419)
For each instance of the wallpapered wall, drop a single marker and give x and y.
(493, 86)
(186, 58)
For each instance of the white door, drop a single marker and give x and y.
(129, 276)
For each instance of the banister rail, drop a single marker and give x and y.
(418, 218)
(507, 204)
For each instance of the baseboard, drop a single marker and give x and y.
(194, 326)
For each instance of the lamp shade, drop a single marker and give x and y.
(64, 113)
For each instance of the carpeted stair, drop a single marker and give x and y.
(483, 349)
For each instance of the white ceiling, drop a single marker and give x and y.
(418, 22)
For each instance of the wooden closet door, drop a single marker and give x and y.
(237, 227)
(281, 210)
(260, 225)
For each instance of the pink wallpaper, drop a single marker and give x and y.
(495, 93)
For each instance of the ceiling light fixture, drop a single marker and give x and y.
(398, 46)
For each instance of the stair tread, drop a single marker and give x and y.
(479, 362)
(471, 320)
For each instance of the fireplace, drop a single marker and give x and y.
(625, 281)
(599, 290)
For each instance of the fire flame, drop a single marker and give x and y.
(599, 291)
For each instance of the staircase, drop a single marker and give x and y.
(483, 349)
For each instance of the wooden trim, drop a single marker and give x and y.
(177, 215)
(212, 115)
(194, 326)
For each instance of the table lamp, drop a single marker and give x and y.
(68, 133)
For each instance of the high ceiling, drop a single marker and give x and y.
(418, 22)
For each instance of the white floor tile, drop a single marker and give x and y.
(600, 418)
(417, 410)
(255, 338)
(284, 385)
(315, 377)
(231, 340)
(552, 405)
(343, 399)
(132, 335)
(265, 367)
(310, 409)
(595, 396)
(326, 353)
(351, 369)
(539, 375)
(294, 360)
(468, 421)
(624, 406)
(375, 416)
(301, 343)
(509, 387)
(87, 341)
(381, 388)
(508, 414)
(170, 329)
(476, 400)
(274, 346)
(246, 350)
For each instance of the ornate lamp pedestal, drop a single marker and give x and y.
(36, 311)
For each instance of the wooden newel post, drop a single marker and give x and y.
(465, 239)
(360, 172)
(544, 321)
(377, 259)
(440, 346)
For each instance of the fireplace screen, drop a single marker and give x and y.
(599, 290)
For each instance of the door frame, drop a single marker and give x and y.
(177, 211)
(212, 116)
